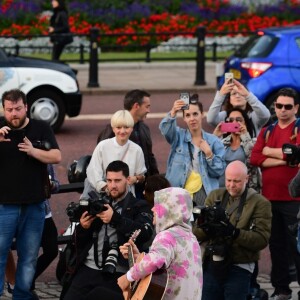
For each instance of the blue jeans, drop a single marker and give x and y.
(25, 222)
(234, 287)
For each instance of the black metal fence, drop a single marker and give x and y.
(95, 43)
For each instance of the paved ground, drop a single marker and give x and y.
(51, 290)
(153, 77)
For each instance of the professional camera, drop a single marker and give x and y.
(212, 217)
(292, 153)
(93, 205)
(43, 145)
(213, 220)
(111, 259)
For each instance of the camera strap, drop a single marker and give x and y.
(95, 242)
(237, 204)
(191, 153)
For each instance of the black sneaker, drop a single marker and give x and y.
(9, 288)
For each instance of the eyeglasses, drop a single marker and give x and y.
(237, 119)
(286, 106)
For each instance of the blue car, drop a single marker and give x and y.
(267, 62)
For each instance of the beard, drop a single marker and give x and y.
(16, 123)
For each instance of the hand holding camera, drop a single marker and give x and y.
(211, 218)
(94, 205)
(229, 230)
(86, 220)
(106, 214)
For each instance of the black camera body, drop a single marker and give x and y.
(93, 205)
(213, 220)
(210, 216)
(292, 153)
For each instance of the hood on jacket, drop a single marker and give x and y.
(173, 206)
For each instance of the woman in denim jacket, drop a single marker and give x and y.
(192, 149)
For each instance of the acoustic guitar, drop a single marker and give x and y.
(151, 287)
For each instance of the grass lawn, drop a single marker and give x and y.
(130, 56)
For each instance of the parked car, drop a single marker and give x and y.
(267, 62)
(51, 87)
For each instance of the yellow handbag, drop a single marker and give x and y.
(194, 183)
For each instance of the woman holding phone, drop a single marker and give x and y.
(196, 159)
(233, 94)
(238, 140)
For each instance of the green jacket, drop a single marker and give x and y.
(254, 224)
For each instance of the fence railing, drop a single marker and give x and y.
(95, 44)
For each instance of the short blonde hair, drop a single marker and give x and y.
(121, 118)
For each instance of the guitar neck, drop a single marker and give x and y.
(130, 251)
(130, 257)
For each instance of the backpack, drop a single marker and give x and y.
(270, 128)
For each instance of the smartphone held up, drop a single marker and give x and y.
(186, 98)
(229, 77)
(230, 127)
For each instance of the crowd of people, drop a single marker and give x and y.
(199, 228)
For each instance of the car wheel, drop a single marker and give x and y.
(48, 106)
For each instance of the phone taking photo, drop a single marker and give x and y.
(229, 77)
(186, 98)
(16, 135)
(230, 127)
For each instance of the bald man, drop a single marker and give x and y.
(237, 225)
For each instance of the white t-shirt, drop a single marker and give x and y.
(109, 150)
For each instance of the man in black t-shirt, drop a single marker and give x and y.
(26, 147)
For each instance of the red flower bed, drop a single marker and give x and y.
(158, 23)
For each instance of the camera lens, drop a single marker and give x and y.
(111, 261)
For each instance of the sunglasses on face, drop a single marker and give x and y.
(286, 106)
(237, 119)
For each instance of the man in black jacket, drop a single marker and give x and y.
(98, 237)
(137, 102)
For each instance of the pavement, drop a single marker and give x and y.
(152, 77)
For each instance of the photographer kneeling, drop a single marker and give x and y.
(236, 223)
(98, 236)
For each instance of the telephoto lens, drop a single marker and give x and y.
(111, 259)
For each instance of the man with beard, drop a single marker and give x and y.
(24, 185)
(97, 239)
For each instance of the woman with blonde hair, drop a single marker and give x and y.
(117, 148)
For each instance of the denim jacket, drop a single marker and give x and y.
(179, 161)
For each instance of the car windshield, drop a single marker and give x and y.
(257, 46)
